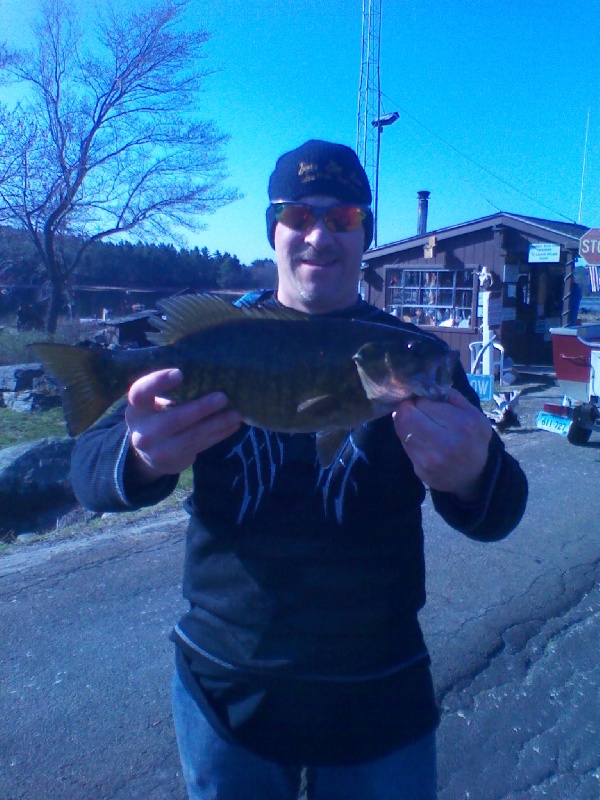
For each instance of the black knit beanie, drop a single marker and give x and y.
(320, 168)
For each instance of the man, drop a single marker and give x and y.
(301, 648)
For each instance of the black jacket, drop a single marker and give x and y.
(302, 640)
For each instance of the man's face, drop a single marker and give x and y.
(318, 270)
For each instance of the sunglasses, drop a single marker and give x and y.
(303, 217)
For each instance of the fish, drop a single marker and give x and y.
(281, 369)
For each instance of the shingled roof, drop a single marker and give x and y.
(566, 233)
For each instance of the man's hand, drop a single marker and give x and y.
(446, 442)
(165, 437)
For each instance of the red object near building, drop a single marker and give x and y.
(572, 350)
(577, 363)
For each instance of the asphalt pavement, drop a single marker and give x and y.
(513, 628)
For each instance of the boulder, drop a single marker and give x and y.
(34, 480)
(25, 388)
(19, 377)
(26, 402)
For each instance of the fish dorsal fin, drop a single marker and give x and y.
(186, 314)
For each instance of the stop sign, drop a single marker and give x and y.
(589, 246)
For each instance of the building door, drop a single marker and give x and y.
(517, 333)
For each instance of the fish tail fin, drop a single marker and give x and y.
(78, 373)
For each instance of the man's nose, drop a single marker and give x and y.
(318, 234)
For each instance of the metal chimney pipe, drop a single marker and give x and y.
(422, 217)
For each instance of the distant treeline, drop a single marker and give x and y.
(151, 266)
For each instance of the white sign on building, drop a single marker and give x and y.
(544, 253)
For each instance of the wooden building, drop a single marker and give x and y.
(433, 279)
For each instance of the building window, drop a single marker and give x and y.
(431, 297)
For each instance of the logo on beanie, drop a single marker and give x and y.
(332, 172)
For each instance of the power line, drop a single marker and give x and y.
(587, 130)
(476, 164)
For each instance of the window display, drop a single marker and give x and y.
(431, 297)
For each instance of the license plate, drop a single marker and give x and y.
(548, 422)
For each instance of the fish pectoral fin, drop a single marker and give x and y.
(329, 443)
(323, 403)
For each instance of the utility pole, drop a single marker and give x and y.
(587, 130)
(370, 119)
(369, 94)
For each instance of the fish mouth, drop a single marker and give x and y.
(396, 389)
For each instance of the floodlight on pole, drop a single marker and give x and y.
(385, 120)
(380, 123)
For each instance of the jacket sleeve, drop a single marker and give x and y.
(502, 490)
(502, 501)
(99, 469)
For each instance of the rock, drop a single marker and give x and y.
(44, 385)
(26, 402)
(17, 401)
(21, 402)
(34, 480)
(18, 377)
(25, 538)
(25, 388)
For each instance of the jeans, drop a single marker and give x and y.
(214, 769)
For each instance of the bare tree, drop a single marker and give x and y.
(107, 138)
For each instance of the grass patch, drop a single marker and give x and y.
(14, 347)
(17, 428)
(186, 481)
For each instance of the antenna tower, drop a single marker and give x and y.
(369, 98)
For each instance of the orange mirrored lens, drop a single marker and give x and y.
(302, 216)
(341, 219)
(295, 216)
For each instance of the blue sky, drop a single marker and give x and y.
(481, 87)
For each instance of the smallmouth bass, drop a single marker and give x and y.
(282, 370)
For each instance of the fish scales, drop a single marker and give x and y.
(270, 368)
